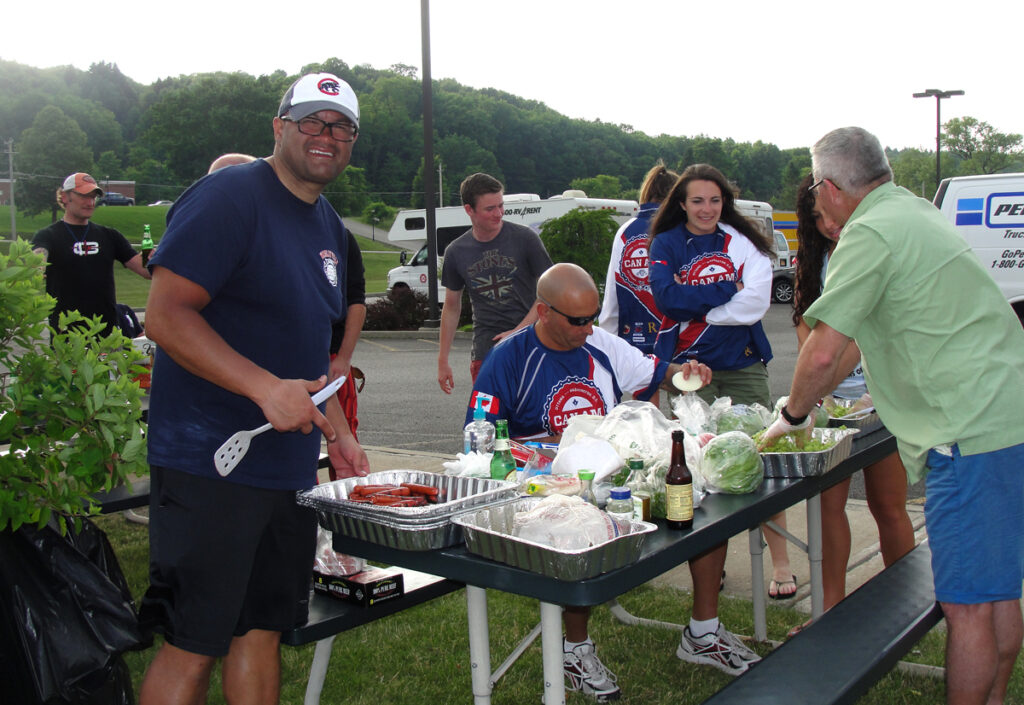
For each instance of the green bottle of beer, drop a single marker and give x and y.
(502, 462)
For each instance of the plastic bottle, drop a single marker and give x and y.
(620, 504)
(587, 493)
(502, 462)
(679, 487)
(479, 433)
(641, 500)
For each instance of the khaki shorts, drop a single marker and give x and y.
(746, 386)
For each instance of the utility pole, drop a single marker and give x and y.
(440, 188)
(9, 147)
(938, 95)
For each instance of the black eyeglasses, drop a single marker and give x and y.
(578, 321)
(819, 182)
(314, 127)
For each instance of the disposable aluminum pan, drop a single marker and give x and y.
(406, 528)
(455, 494)
(814, 463)
(865, 421)
(488, 534)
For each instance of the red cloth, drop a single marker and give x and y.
(349, 400)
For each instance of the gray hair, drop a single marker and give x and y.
(852, 158)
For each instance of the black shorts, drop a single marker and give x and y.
(225, 558)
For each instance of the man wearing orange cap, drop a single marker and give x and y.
(80, 255)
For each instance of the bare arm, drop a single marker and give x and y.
(135, 264)
(817, 366)
(848, 359)
(528, 320)
(173, 321)
(347, 456)
(354, 319)
(449, 322)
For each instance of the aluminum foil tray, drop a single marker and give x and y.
(488, 534)
(815, 463)
(455, 494)
(406, 528)
(864, 422)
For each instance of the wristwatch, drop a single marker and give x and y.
(792, 420)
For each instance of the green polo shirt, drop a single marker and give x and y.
(943, 352)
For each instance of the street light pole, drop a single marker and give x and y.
(938, 95)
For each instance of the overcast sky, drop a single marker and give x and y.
(783, 72)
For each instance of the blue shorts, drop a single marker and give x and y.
(974, 511)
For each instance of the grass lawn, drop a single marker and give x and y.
(421, 655)
(133, 290)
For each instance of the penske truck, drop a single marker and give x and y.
(988, 211)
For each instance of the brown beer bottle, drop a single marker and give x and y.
(679, 487)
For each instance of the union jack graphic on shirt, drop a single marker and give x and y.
(492, 286)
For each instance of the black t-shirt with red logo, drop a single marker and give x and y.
(80, 268)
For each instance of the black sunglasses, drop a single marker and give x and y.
(578, 321)
(819, 182)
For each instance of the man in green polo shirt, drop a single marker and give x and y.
(943, 355)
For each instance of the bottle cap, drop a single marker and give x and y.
(620, 493)
(635, 464)
(586, 474)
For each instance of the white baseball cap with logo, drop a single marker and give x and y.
(319, 91)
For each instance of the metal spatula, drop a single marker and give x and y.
(234, 449)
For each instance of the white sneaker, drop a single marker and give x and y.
(585, 672)
(723, 650)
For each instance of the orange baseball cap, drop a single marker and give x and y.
(82, 183)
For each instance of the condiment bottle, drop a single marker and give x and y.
(587, 493)
(620, 504)
(679, 487)
(479, 433)
(502, 462)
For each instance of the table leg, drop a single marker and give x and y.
(756, 540)
(479, 644)
(551, 648)
(814, 555)
(318, 671)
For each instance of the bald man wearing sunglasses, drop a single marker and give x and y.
(563, 366)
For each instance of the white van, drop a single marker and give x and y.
(989, 212)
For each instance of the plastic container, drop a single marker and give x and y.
(479, 433)
(620, 504)
(587, 493)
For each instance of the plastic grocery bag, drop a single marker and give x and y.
(731, 464)
(472, 464)
(66, 615)
(638, 429)
(327, 561)
(588, 453)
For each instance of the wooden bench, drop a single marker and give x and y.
(838, 658)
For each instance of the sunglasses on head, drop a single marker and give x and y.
(578, 321)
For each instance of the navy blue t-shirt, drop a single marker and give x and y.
(274, 269)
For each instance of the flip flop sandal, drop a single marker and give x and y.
(775, 589)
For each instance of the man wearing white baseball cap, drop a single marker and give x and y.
(248, 280)
(80, 255)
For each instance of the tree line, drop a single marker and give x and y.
(164, 135)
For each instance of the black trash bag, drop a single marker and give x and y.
(67, 615)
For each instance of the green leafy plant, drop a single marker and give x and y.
(70, 407)
(583, 238)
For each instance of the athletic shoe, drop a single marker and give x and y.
(723, 650)
(585, 672)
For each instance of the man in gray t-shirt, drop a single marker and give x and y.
(499, 263)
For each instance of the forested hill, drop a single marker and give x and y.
(163, 136)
